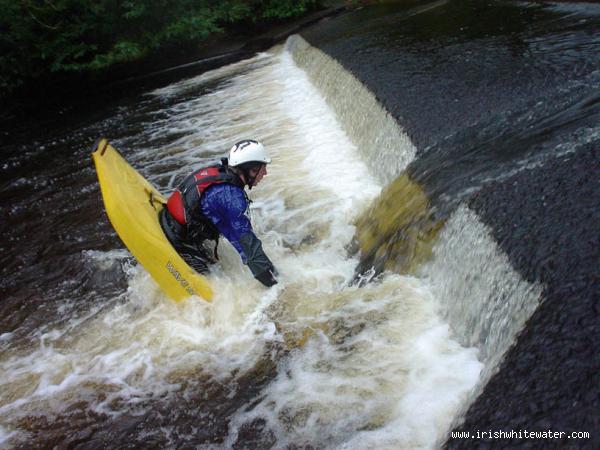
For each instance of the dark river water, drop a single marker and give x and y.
(455, 143)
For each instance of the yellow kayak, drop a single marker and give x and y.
(132, 205)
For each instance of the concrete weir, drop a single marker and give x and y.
(485, 301)
(514, 257)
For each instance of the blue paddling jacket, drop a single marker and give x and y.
(212, 202)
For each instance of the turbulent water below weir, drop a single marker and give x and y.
(94, 355)
(489, 210)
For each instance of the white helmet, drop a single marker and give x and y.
(248, 151)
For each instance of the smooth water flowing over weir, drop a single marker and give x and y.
(380, 140)
(314, 361)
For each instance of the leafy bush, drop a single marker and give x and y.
(41, 37)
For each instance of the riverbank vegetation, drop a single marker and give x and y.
(45, 38)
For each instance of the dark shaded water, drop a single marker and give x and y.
(502, 101)
(480, 87)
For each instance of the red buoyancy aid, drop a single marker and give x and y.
(184, 203)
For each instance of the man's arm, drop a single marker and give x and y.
(259, 263)
(226, 206)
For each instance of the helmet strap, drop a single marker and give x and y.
(245, 170)
(249, 178)
(243, 174)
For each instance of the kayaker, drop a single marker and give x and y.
(211, 202)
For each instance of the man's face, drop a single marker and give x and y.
(258, 174)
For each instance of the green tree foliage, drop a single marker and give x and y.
(39, 37)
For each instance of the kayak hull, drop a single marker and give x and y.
(132, 205)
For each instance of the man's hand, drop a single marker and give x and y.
(268, 277)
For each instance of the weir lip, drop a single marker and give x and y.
(384, 145)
